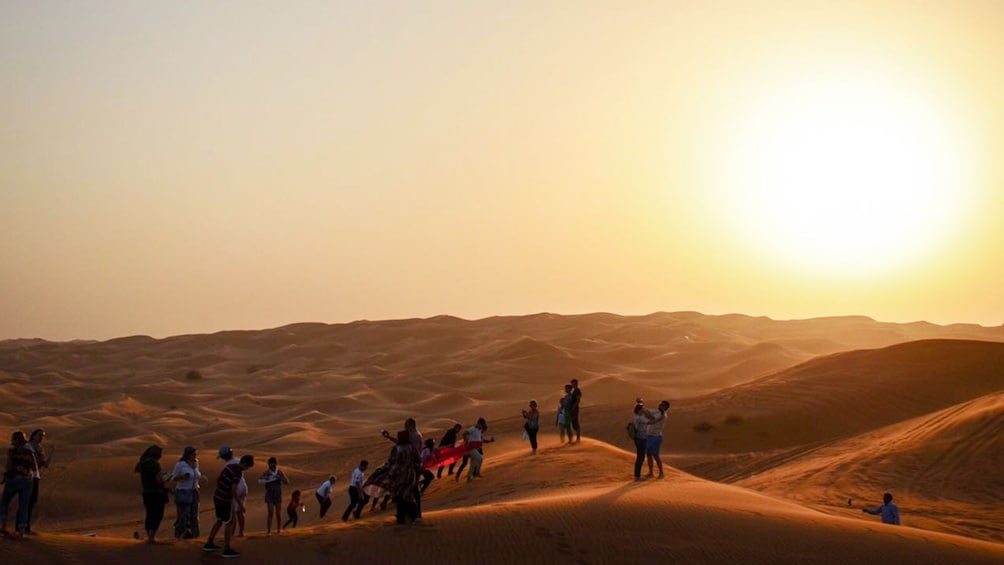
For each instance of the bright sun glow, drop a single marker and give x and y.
(844, 176)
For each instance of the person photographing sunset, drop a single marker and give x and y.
(889, 511)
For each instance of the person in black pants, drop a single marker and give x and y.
(154, 492)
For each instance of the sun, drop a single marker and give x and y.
(848, 175)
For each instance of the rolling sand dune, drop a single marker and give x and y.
(568, 504)
(798, 416)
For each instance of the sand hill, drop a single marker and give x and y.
(774, 425)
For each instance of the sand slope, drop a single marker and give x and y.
(568, 504)
(800, 415)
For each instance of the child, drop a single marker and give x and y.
(427, 453)
(294, 506)
(357, 500)
(323, 494)
(273, 479)
(532, 424)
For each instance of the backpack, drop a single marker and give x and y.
(632, 430)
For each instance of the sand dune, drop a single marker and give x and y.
(568, 504)
(799, 415)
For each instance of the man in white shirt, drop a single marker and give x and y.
(323, 494)
(657, 420)
(357, 500)
(888, 510)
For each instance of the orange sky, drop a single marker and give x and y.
(189, 167)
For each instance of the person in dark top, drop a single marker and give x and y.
(154, 491)
(574, 411)
(449, 440)
(223, 500)
(42, 459)
(17, 481)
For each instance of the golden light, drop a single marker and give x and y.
(846, 175)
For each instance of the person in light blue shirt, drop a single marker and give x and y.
(888, 510)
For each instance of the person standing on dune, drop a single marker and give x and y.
(186, 477)
(42, 459)
(888, 510)
(640, 422)
(223, 500)
(574, 411)
(273, 478)
(532, 425)
(564, 414)
(154, 491)
(17, 482)
(657, 420)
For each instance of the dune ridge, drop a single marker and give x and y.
(799, 415)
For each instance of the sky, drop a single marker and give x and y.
(186, 167)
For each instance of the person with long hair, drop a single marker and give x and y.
(154, 491)
(187, 476)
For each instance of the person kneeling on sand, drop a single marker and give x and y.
(888, 510)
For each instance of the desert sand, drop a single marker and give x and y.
(774, 427)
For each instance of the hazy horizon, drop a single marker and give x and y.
(186, 167)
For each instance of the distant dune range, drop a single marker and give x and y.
(789, 418)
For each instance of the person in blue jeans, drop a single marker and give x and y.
(640, 421)
(657, 420)
(17, 482)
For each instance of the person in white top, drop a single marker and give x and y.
(653, 441)
(357, 500)
(186, 477)
(640, 421)
(323, 494)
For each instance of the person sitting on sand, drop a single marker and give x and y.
(532, 425)
(154, 491)
(357, 499)
(323, 494)
(295, 506)
(273, 478)
(449, 439)
(640, 422)
(17, 482)
(186, 477)
(889, 511)
(42, 460)
(223, 501)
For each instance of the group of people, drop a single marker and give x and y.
(402, 479)
(568, 413)
(22, 473)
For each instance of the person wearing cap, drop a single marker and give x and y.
(42, 459)
(223, 500)
(186, 476)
